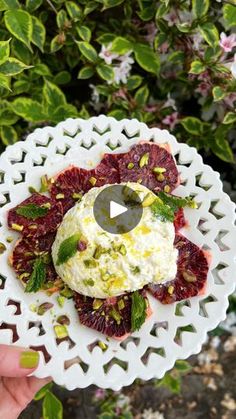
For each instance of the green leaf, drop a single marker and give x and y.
(133, 82)
(229, 14)
(5, 82)
(176, 202)
(229, 118)
(84, 32)
(29, 109)
(218, 93)
(53, 97)
(118, 114)
(141, 96)
(138, 311)
(7, 117)
(39, 33)
(192, 125)
(52, 407)
(63, 112)
(147, 58)
(183, 366)
(42, 70)
(61, 18)
(87, 50)
(184, 27)
(106, 38)
(38, 276)
(63, 77)
(197, 67)
(147, 13)
(222, 149)
(200, 8)
(111, 3)
(4, 50)
(55, 45)
(42, 392)
(20, 51)
(162, 211)
(121, 45)
(12, 66)
(210, 33)
(86, 72)
(19, 24)
(9, 4)
(74, 10)
(33, 5)
(105, 72)
(31, 211)
(68, 248)
(8, 135)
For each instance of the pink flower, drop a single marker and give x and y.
(107, 55)
(151, 32)
(100, 394)
(227, 42)
(171, 120)
(230, 99)
(203, 88)
(163, 48)
(171, 18)
(204, 76)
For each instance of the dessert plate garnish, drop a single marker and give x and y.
(87, 299)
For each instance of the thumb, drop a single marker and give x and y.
(16, 361)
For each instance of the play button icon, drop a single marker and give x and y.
(117, 209)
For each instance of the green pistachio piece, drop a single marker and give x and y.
(144, 160)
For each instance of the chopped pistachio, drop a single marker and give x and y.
(167, 188)
(60, 196)
(121, 304)
(66, 292)
(24, 275)
(160, 177)
(44, 183)
(90, 263)
(17, 227)
(63, 319)
(93, 181)
(144, 160)
(170, 289)
(115, 315)
(61, 300)
(77, 196)
(33, 308)
(135, 270)
(159, 170)
(33, 227)
(43, 308)
(99, 251)
(102, 345)
(9, 239)
(97, 304)
(47, 205)
(122, 250)
(193, 204)
(130, 165)
(60, 331)
(31, 189)
(2, 248)
(189, 276)
(105, 276)
(148, 199)
(89, 282)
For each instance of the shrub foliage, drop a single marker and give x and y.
(168, 63)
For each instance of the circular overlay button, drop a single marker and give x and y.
(117, 209)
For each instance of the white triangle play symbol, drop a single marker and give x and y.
(116, 209)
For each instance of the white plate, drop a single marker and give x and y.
(154, 349)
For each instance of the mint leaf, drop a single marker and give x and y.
(32, 211)
(38, 276)
(52, 407)
(68, 248)
(162, 211)
(138, 311)
(176, 202)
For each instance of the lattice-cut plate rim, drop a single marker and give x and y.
(70, 135)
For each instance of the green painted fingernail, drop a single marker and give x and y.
(29, 359)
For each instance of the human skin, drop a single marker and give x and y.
(17, 389)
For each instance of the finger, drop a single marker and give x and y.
(16, 361)
(16, 393)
